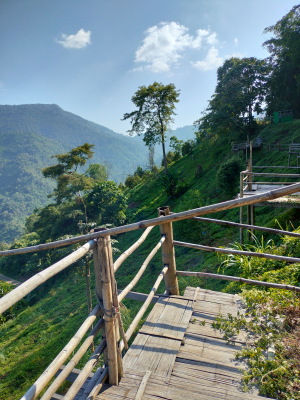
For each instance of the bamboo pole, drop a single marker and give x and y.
(98, 385)
(226, 205)
(131, 249)
(238, 252)
(273, 183)
(142, 387)
(118, 326)
(273, 174)
(36, 280)
(98, 286)
(241, 208)
(241, 280)
(168, 253)
(73, 362)
(274, 166)
(143, 309)
(51, 370)
(245, 226)
(248, 220)
(93, 381)
(81, 378)
(134, 281)
(109, 314)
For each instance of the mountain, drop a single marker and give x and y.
(29, 135)
(22, 186)
(70, 130)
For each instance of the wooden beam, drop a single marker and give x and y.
(237, 252)
(141, 270)
(241, 280)
(168, 253)
(36, 280)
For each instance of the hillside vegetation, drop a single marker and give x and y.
(40, 331)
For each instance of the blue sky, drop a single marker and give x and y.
(90, 56)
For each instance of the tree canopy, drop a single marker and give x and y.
(240, 92)
(156, 108)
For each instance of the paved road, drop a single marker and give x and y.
(9, 280)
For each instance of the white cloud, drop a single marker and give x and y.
(164, 43)
(78, 41)
(236, 42)
(211, 61)
(212, 39)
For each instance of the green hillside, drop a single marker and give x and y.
(22, 186)
(45, 327)
(70, 130)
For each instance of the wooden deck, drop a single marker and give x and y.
(176, 357)
(285, 201)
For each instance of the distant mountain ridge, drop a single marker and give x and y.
(31, 133)
(70, 130)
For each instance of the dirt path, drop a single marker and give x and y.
(9, 280)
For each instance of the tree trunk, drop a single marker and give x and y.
(164, 155)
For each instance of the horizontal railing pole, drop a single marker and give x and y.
(36, 280)
(143, 309)
(246, 226)
(131, 249)
(141, 270)
(241, 280)
(274, 166)
(237, 252)
(72, 363)
(272, 183)
(51, 370)
(273, 174)
(226, 205)
(81, 378)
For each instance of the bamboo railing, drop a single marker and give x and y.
(114, 338)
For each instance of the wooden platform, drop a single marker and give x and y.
(285, 201)
(177, 357)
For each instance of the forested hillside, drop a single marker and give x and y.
(22, 187)
(70, 130)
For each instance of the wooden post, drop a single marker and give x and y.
(241, 208)
(248, 220)
(118, 322)
(105, 259)
(98, 288)
(168, 254)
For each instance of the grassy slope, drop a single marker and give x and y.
(29, 342)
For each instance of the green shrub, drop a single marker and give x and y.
(228, 175)
(188, 147)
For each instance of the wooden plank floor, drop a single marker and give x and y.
(187, 360)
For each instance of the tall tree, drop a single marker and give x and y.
(156, 107)
(69, 181)
(240, 91)
(285, 63)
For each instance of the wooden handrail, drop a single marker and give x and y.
(226, 205)
(131, 249)
(51, 370)
(273, 174)
(72, 363)
(141, 270)
(81, 378)
(143, 309)
(237, 252)
(36, 280)
(241, 280)
(246, 226)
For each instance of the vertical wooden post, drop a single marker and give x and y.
(168, 253)
(248, 220)
(116, 305)
(105, 259)
(241, 208)
(98, 289)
